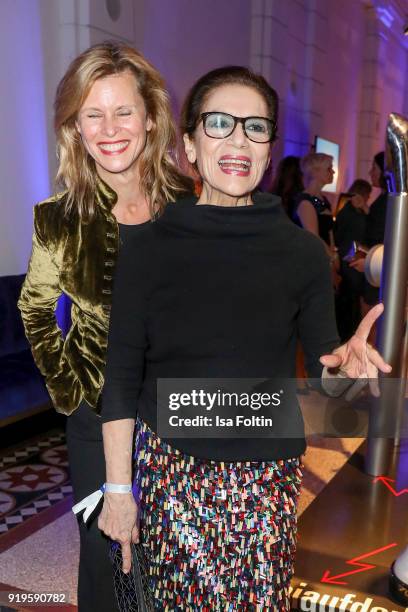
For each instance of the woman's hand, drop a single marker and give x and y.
(119, 521)
(356, 358)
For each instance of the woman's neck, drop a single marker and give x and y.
(314, 188)
(132, 206)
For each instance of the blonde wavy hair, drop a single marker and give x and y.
(160, 178)
(311, 161)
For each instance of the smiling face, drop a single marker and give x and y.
(113, 124)
(232, 167)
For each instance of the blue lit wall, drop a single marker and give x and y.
(23, 155)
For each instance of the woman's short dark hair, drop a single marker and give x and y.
(360, 186)
(227, 75)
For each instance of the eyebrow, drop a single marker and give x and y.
(99, 110)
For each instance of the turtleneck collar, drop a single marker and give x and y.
(208, 219)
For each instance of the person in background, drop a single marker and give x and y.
(350, 228)
(378, 209)
(375, 228)
(114, 134)
(312, 210)
(288, 182)
(233, 283)
(351, 220)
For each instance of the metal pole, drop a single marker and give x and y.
(394, 280)
(402, 383)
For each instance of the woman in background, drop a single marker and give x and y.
(375, 231)
(288, 182)
(114, 132)
(375, 227)
(350, 227)
(312, 209)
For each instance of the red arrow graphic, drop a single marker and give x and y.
(386, 481)
(362, 567)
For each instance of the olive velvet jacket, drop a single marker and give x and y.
(77, 259)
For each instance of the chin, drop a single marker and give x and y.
(114, 168)
(237, 190)
(237, 194)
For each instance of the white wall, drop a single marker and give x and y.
(338, 67)
(339, 70)
(384, 78)
(24, 175)
(185, 38)
(38, 39)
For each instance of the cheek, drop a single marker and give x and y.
(136, 127)
(260, 165)
(208, 167)
(206, 157)
(88, 133)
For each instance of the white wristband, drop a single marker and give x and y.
(89, 503)
(108, 487)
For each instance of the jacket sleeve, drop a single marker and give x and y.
(127, 338)
(37, 303)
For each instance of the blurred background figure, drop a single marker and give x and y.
(374, 234)
(349, 232)
(288, 182)
(376, 218)
(312, 209)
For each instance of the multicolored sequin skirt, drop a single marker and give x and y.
(216, 536)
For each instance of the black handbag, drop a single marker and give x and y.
(132, 589)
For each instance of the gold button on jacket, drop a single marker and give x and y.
(72, 257)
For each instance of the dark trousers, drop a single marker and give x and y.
(87, 467)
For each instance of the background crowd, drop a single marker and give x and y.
(348, 227)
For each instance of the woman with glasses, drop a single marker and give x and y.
(232, 283)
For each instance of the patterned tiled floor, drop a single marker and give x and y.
(38, 533)
(34, 487)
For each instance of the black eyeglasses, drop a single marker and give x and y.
(221, 125)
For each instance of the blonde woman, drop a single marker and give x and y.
(313, 210)
(114, 132)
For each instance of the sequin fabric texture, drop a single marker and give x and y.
(217, 536)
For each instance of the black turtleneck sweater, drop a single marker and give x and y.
(215, 292)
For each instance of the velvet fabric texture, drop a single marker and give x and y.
(78, 259)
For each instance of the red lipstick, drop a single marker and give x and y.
(237, 165)
(113, 147)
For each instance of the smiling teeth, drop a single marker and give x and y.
(114, 146)
(236, 162)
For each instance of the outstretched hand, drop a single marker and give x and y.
(356, 358)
